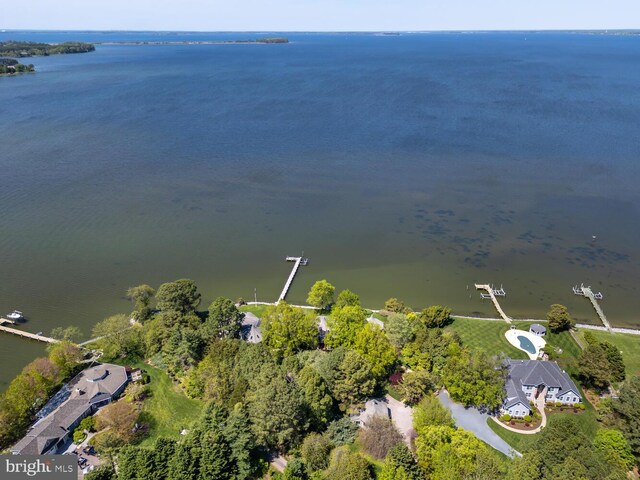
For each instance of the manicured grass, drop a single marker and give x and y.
(167, 409)
(257, 310)
(628, 344)
(485, 335)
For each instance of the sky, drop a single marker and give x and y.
(319, 15)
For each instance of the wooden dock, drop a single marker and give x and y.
(298, 261)
(20, 333)
(491, 293)
(593, 297)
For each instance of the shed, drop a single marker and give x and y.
(538, 329)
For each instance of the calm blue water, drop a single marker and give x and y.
(409, 166)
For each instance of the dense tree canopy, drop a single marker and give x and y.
(435, 316)
(321, 295)
(400, 329)
(375, 348)
(347, 298)
(141, 296)
(224, 319)
(345, 324)
(559, 318)
(181, 296)
(286, 330)
(354, 381)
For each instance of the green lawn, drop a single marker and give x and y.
(485, 335)
(167, 409)
(257, 310)
(628, 344)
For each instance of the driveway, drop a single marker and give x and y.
(402, 417)
(475, 421)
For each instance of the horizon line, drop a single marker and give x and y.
(497, 30)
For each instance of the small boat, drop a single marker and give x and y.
(39, 334)
(15, 315)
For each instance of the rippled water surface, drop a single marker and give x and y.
(409, 166)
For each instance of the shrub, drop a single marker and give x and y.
(576, 405)
(88, 424)
(527, 418)
(79, 436)
(506, 417)
(379, 436)
(342, 431)
(581, 406)
(558, 404)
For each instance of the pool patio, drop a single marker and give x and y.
(526, 341)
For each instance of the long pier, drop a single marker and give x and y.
(593, 297)
(491, 293)
(298, 261)
(20, 333)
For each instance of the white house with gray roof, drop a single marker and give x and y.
(528, 379)
(89, 390)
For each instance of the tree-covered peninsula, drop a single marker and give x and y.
(9, 66)
(12, 48)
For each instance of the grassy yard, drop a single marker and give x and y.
(485, 335)
(628, 344)
(167, 409)
(375, 463)
(257, 310)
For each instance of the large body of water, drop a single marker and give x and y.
(409, 166)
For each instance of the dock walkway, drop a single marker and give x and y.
(21, 333)
(298, 261)
(492, 296)
(593, 297)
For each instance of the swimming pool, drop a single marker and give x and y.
(525, 341)
(526, 345)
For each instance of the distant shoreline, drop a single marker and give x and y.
(206, 42)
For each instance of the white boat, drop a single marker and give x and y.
(15, 315)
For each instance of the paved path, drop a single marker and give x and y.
(473, 420)
(402, 417)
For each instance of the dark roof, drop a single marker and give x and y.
(91, 386)
(537, 328)
(536, 372)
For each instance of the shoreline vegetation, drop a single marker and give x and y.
(10, 50)
(274, 40)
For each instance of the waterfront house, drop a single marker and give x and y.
(250, 328)
(88, 391)
(527, 380)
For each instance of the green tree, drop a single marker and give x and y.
(379, 436)
(348, 466)
(435, 316)
(321, 295)
(287, 330)
(375, 348)
(430, 350)
(315, 451)
(396, 306)
(399, 329)
(400, 465)
(117, 337)
(224, 320)
(559, 318)
(141, 296)
(101, 473)
(354, 381)
(345, 324)
(295, 470)
(278, 411)
(66, 356)
(342, 431)
(615, 448)
(474, 379)
(181, 296)
(529, 466)
(430, 412)
(415, 385)
(214, 378)
(347, 298)
(627, 409)
(120, 418)
(237, 431)
(316, 395)
(616, 363)
(594, 367)
(70, 334)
